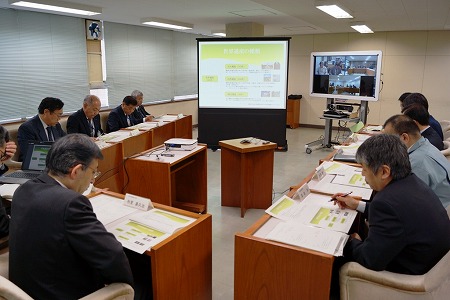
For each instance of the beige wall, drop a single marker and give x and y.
(413, 61)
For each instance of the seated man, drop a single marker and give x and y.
(412, 98)
(42, 127)
(87, 119)
(427, 162)
(7, 150)
(408, 227)
(58, 249)
(122, 115)
(140, 114)
(421, 117)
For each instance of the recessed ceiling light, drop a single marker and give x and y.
(157, 22)
(362, 28)
(59, 6)
(335, 11)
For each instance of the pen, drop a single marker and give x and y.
(334, 199)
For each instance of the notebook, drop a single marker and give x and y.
(32, 166)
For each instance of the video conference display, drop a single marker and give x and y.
(347, 75)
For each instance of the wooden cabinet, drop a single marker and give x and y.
(293, 113)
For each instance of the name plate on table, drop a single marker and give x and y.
(302, 192)
(320, 173)
(137, 202)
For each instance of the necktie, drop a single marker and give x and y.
(91, 123)
(128, 121)
(141, 110)
(50, 134)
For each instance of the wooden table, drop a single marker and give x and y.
(182, 264)
(111, 167)
(247, 173)
(178, 181)
(266, 269)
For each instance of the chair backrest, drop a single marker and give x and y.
(4, 262)
(446, 150)
(10, 291)
(438, 278)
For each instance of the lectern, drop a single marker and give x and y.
(247, 173)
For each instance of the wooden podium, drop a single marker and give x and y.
(247, 173)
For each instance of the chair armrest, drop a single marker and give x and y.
(116, 290)
(353, 270)
(9, 290)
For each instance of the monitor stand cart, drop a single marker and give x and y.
(326, 142)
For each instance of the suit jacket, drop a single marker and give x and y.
(408, 229)
(58, 247)
(4, 221)
(140, 113)
(78, 123)
(433, 137)
(33, 130)
(436, 126)
(117, 120)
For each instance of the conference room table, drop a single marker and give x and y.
(266, 269)
(119, 146)
(181, 265)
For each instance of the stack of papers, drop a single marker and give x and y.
(353, 182)
(7, 190)
(313, 223)
(145, 126)
(116, 136)
(134, 229)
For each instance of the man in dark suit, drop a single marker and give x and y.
(407, 99)
(122, 115)
(87, 119)
(140, 114)
(42, 127)
(421, 117)
(7, 150)
(408, 226)
(58, 249)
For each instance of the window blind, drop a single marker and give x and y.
(41, 55)
(160, 63)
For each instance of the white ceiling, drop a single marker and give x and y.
(279, 17)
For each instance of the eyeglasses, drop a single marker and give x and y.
(96, 173)
(3, 156)
(58, 115)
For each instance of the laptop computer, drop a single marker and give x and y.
(32, 166)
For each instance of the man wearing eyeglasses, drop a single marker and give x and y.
(42, 127)
(87, 119)
(58, 249)
(7, 150)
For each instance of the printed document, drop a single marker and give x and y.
(143, 230)
(314, 223)
(315, 210)
(329, 187)
(134, 229)
(326, 241)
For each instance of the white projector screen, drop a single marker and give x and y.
(243, 74)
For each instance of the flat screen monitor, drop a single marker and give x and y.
(353, 75)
